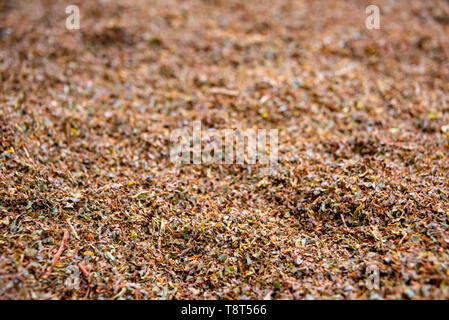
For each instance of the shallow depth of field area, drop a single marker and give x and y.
(91, 207)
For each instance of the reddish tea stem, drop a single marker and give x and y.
(57, 255)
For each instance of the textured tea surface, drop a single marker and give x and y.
(92, 208)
